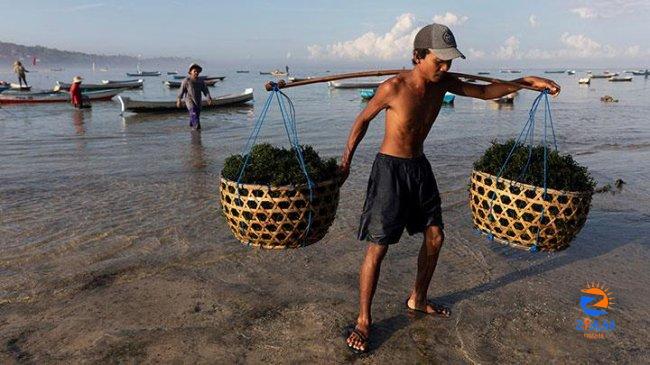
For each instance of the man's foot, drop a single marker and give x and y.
(358, 339)
(429, 308)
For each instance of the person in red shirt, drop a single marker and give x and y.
(75, 92)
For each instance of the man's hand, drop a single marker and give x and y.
(542, 83)
(344, 172)
(178, 103)
(209, 100)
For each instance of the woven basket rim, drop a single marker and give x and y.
(277, 188)
(528, 186)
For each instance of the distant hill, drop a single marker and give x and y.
(9, 52)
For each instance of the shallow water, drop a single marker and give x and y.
(92, 199)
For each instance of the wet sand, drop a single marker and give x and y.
(189, 293)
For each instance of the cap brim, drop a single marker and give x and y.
(447, 54)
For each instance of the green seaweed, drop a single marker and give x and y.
(564, 173)
(276, 166)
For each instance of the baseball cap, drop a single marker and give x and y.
(440, 40)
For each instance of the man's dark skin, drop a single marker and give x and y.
(412, 101)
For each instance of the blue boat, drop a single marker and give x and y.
(448, 98)
(367, 94)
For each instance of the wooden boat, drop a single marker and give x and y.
(54, 96)
(620, 79)
(19, 87)
(585, 81)
(354, 84)
(296, 79)
(555, 71)
(133, 84)
(146, 106)
(174, 84)
(4, 87)
(182, 77)
(172, 72)
(278, 73)
(242, 71)
(571, 72)
(641, 73)
(483, 73)
(106, 82)
(264, 73)
(143, 73)
(510, 71)
(604, 75)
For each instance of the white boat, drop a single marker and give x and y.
(571, 72)
(507, 99)
(296, 79)
(105, 82)
(146, 106)
(54, 96)
(585, 81)
(278, 73)
(132, 84)
(620, 78)
(14, 86)
(175, 84)
(182, 77)
(641, 73)
(354, 84)
(143, 73)
(604, 75)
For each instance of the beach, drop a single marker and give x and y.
(114, 248)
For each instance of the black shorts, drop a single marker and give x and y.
(402, 192)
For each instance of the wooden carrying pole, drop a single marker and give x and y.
(283, 85)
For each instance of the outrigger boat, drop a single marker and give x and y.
(354, 85)
(146, 106)
(54, 96)
(143, 73)
(620, 79)
(133, 84)
(205, 78)
(174, 84)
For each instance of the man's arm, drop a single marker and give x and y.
(181, 93)
(497, 90)
(206, 92)
(379, 101)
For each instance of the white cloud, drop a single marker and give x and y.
(450, 19)
(509, 50)
(585, 13)
(397, 42)
(475, 53)
(533, 21)
(581, 45)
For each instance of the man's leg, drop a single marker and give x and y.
(368, 277)
(427, 261)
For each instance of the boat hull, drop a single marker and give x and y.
(55, 97)
(143, 106)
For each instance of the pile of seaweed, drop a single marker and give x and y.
(276, 166)
(564, 173)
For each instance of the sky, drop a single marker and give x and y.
(497, 33)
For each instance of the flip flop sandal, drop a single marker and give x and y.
(438, 309)
(364, 340)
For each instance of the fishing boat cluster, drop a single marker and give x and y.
(109, 89)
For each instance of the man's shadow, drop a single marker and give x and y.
(604, 234)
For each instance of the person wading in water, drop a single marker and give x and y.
(402, 191)
(191, 89)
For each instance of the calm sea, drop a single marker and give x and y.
(69, 177)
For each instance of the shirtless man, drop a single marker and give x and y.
(402, 191)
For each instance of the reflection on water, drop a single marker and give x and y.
(197, 158)
(78, 121)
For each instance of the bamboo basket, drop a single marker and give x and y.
(512, 212)
(278, 217)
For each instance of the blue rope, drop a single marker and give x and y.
(527, 133)
(289, 121)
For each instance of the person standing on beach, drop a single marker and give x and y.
(402, 190)
(20, 70)
(75, 93)
(191, 89)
